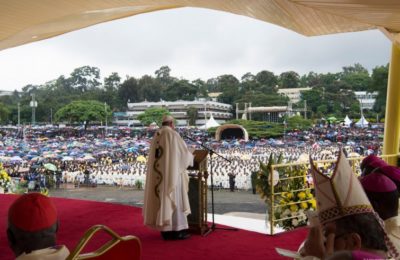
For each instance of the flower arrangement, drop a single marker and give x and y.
(293, 205)
(5, 179)
(287, 192)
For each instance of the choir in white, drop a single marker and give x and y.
(132, 173)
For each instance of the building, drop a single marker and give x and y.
(6, 93)
(366, 99)
(294, 94)
(270, 114)
(178, 109)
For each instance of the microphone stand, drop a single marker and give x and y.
(211, 152)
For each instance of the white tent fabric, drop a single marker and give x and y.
(347, 121)
(362, 122)
(27, 21)
(210, 123)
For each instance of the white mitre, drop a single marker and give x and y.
(339, 195)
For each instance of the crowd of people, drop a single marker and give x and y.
(356, 218)
(120, 160)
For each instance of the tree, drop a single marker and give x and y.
(192, 114)
(163, 78)
(150, 88)
(313, 98)
(297, 122)
(4, 113)
(85, 78)
(267, 81)
(229, 85)
(379, 83)
(248, 83)
(83, 112)
(310, 80)
(289, 79)
(151, 115)
(201, 88)
(181, 89)
(111, 85)
(212, 85)
(129, 89)
(112, 82)
(163, 73)
(357, 77)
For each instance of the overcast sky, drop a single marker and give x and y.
(194, 43)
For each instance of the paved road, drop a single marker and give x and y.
(224, 201)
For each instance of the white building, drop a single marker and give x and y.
(178, 109)
(5, 93)
(366, 99)
(294, 94)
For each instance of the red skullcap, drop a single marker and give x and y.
(377, 182)
(369, 159)
(32, 212)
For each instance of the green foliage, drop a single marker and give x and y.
(332, 93)
(180, 90)
(263, 180)
(356, 76)
(139, 184)
(258, 129)
(85, 78)
(298, 122)
(4, 113)
(192, 114)
(289, 79)
(152, 115)
(379, 83)
(83, 111)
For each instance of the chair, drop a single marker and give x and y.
(127, 247)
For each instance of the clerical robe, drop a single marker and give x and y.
(166, 201)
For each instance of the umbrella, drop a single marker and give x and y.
(16, 159)
(141, 159)
(50, 166)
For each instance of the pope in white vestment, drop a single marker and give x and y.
(166, 201)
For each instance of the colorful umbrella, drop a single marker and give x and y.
(50, 166)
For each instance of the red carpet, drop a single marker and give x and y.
(76, 216)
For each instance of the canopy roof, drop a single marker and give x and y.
(25, 21)
(362, 122)
(210, 123)
(347, 121)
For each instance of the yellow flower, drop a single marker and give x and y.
(303, 205)
(313, 203)
(301, 195)
(310, 196)
(289, 195)
(294, 208)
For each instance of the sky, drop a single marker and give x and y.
(194, 43)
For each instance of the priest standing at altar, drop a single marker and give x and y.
(166, 201)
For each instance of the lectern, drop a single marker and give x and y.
(198, 194)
